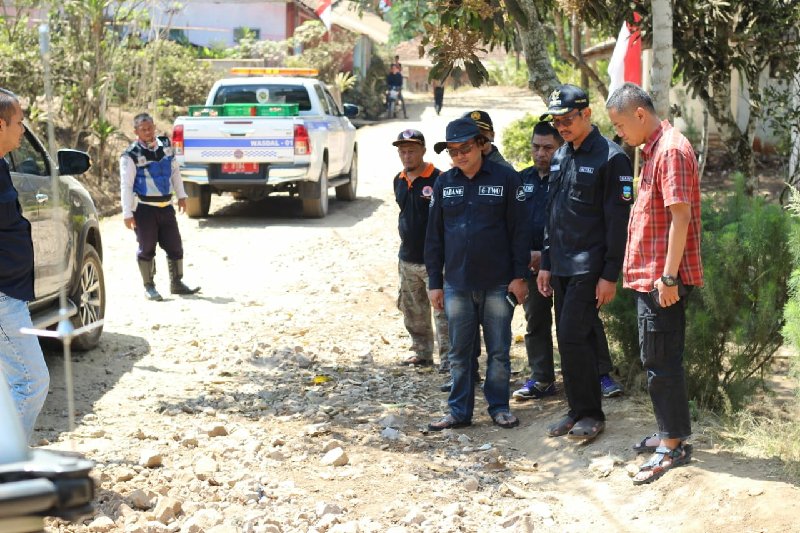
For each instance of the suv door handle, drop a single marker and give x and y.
(41, 198)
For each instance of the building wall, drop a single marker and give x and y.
(218, 21)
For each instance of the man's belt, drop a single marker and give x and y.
(155, 199)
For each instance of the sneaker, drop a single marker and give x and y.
(609, 387)
(444, 367)
(534, 390)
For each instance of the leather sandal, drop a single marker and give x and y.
(656, 466)
(561, 427)
(448, 422)
(416, 360)
(505, 420)
(586, 429)
(643, 447)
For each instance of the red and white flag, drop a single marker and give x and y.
(323, 11)
(626, 61)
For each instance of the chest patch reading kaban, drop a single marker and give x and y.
(490, 190)
(449, 192)
(586, 170)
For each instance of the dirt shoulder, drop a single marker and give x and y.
(239, 397)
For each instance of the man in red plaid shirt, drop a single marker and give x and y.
(662, 265)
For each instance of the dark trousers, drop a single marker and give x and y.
(539, 337)
(662, 337)
(579, 343)
(538, 334)
(157, 225)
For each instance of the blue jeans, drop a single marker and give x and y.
(465, 311)
(22, 362)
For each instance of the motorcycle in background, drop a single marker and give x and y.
(392, 101)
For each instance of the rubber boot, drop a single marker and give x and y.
(176, 286)
(148, 271)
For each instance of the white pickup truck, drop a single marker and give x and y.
(252, 156)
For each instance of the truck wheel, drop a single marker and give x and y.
(90, 297)
(347, 192)
(315, 195)
(199, 201)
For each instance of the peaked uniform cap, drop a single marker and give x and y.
(564, 99)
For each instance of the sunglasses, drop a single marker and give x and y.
(566, 120)
(464, 150)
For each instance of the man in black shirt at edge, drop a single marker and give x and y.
(413, 189)
(476, 253)
(21, 359)
(585, 235)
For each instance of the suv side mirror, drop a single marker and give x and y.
(73, 162)
(350, 110)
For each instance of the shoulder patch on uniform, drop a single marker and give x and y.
(447, 192)
(555, 168)
(528, 187)
(624, 179)
(627, 192)
(586, 170)
(520, 196)
(490, 190)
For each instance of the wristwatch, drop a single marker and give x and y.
(668, 280)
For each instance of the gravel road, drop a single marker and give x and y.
(272, 402)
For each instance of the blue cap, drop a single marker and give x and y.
(458, 131)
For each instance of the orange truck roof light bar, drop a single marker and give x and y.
(274, 71)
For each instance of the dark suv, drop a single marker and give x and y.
(67, 246)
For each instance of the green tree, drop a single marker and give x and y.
(714, 41)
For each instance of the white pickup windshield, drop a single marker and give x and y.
(263, 94)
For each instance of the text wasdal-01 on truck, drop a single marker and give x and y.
(260, 135)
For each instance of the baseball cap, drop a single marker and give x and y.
(458, 131)
(564, 99)
(409, 136)
(481, 118)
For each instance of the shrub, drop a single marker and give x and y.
(791, 313)
(183, 80)
(512, 72)
(369, 93)
(733, 323)
(517, 141)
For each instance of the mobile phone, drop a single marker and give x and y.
(511, 299)
(683, 291)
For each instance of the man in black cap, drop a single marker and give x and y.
(585, 235)
(413, 189)
(538, 336)
(484, 122)
(476, 254)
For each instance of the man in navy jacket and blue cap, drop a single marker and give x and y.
(477, 255)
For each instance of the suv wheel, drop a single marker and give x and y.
(315, 195)
(198, 202)
(90, 297)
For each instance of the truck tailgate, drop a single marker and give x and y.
(238, 139)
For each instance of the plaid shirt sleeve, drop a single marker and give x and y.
(678, 177)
